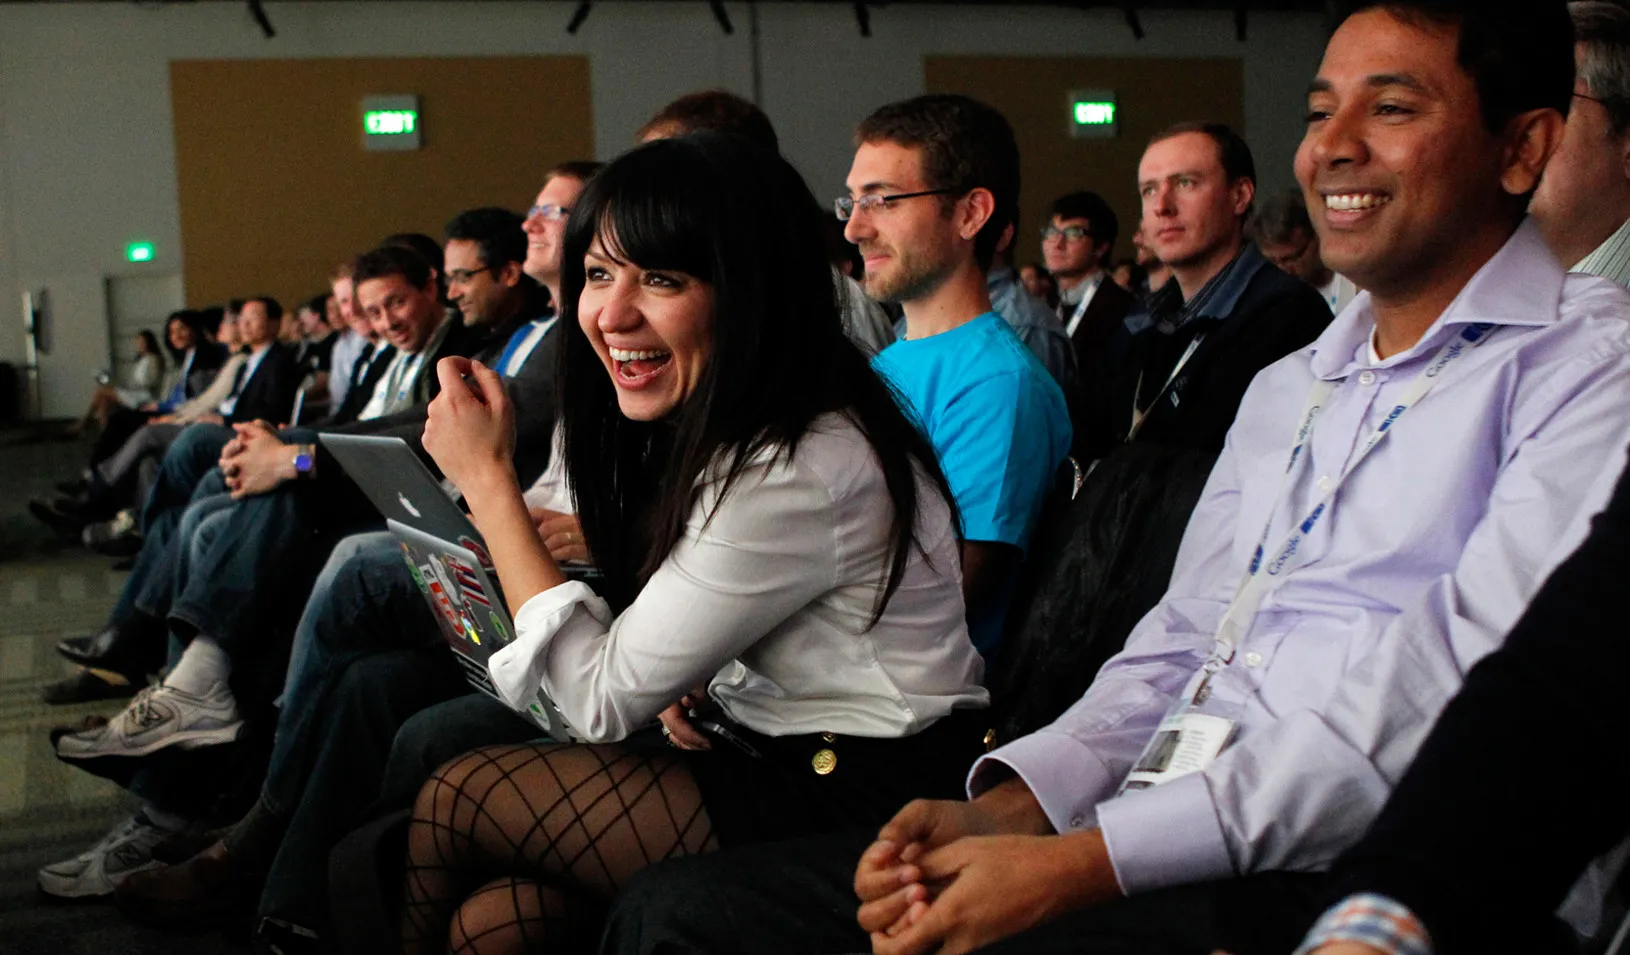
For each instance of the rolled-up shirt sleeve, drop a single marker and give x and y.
(739, 570)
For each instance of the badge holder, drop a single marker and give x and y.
(1189, 738)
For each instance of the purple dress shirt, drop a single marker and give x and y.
(1431, 550)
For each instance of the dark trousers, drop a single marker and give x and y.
(797, 897)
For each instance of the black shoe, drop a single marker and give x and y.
(73, 488)
(134, 646)
(63, 523)
(88, 685)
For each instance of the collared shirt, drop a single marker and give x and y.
(1611, 259)
(341, 363)
(242, 379)
(1428, 555)
(516, 357)
(1074, 302)
(395, 389)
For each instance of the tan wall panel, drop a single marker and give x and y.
(275, 186)
(1033, 92)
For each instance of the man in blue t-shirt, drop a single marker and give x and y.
(935, 182)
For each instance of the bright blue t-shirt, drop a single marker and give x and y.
(1000, 426)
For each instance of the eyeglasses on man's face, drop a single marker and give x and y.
(549, 213)
(463, 276)
(847, 206)
(1070, 233)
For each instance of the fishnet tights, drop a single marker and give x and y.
(510, 845)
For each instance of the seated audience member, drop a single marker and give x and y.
(357, 336)
(94, 496)
(314, 354)
(1076, 244)
(1436, 825)
(933, 187)
(1177, 377)
(1583, 203)
(142, 385)
(1040, 283)
(367, 654)
(1317, 620)
(1155, 272)
(1029, 317)
(1131, 276)
(774, 510)
(1428, 878)
(719, 111)
(1284, 235)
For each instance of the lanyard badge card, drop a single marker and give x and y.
(1198, 727)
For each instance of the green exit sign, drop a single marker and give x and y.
(140, 252)
(391, 123)
(1093, 114)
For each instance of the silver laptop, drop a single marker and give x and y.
(471, 613)
(447, 557)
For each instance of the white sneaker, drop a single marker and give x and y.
(124, 851)
(158, 717)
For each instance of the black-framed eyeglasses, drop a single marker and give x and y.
(549, 213)
(1073, 233)
(847, 206)
(462, 276)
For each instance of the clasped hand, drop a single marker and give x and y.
(256, 460)
(951, 877)
(469, 430)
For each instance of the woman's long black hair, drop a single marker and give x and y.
(742, 220)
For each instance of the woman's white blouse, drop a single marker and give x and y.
(769, 604)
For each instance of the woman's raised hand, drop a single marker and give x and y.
(470, 428)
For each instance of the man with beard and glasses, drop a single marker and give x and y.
(934, 184)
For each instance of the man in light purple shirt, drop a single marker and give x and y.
(1388, 500)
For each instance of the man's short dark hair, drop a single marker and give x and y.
(1603, 30)
(1519, 53)
(392, 260)
(966, 145)
(1279, 217)
(714, 111)
(274, 309)
(1102, 224)
(580, 169)
(1235, 153)
(496, 232)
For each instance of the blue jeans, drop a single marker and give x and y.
(367, 655)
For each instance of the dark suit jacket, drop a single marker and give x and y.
(362, 389)
(1109, 307)
(268, 394)
(1272, 316)
(207, 359)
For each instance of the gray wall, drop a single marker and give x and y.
(87, 158)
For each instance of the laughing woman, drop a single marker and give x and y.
(770, 526)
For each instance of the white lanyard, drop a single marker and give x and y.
(1262, 575)
(1088, 290)
(1138, 417)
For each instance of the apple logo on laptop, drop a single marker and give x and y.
(407, 504)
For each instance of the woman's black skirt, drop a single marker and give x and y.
(761, 788)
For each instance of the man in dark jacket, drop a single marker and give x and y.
(1174, 373)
